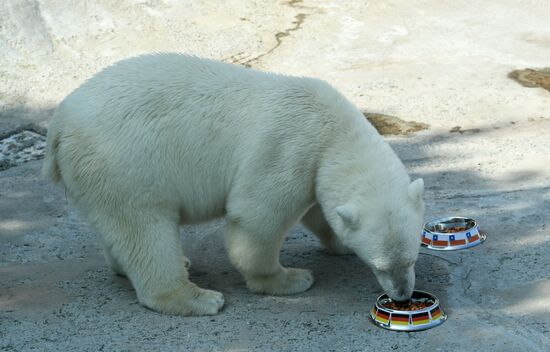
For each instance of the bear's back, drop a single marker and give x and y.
(155, 85)
(199, 98)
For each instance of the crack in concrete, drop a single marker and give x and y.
(490, 316)
(298, 22)
(511, 323)
(466, 279)
(438, 257)
(278, 37)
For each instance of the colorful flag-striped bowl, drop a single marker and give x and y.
(452, 233)
(403, 320)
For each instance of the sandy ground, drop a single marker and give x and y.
(442, 63)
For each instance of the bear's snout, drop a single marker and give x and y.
(398, 284)
(403, 294)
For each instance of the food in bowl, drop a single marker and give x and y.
(413, 304)
(453, 229)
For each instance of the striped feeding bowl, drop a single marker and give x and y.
(405, 320)
(451, 233)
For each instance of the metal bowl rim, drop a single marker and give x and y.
(482, 238)
(409, 312)
(432, 324)
(440, 220)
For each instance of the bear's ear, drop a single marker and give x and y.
(416, 190)
(348, 214)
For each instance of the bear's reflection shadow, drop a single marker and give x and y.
(343, 284)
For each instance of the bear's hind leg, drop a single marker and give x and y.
(315, 221)
(147, 248)
(256, 256)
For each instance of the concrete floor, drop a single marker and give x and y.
(444, 63)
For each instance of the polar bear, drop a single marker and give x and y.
(160, 140)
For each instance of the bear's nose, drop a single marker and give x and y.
(403, 295)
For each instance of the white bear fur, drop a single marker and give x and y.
(160, 140)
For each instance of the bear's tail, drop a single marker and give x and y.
(50, 168)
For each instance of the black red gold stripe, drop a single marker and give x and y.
(400, 319)
(435, 313)
(419, 319)
(382, 316)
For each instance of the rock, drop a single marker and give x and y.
(391, 125)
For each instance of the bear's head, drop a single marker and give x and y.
(384, 232)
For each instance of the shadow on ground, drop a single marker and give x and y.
(500, 275)
(55, 283)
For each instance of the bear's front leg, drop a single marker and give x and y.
(113, 262)
(315, 221)
(256, 256)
